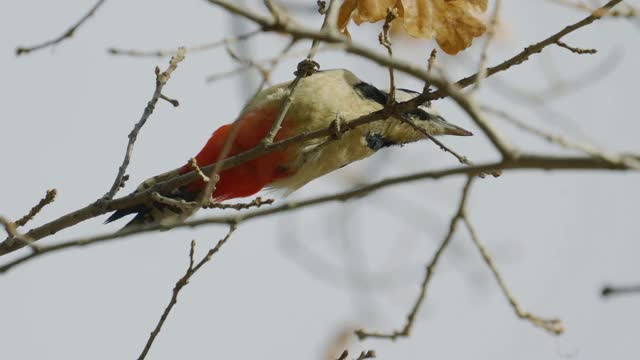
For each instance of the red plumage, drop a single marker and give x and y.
(250, 177)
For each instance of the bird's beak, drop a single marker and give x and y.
(450, 129)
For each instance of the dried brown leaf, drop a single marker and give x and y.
(453, 23)
(372, 10)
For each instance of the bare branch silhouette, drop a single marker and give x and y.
(66, 35)
(181, 283)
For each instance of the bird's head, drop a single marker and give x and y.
(399, 132)
(425, 116)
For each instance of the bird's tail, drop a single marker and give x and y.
(157, 213)
(141, 218)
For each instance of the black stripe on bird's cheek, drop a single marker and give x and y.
(376, 141)
(371, 92)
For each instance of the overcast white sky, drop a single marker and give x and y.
(284, 287)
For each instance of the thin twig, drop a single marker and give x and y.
(46, 200)
(181, 283)
(272, 61)
(559, 87)
(430, 63)
(461, 158)
(179, 204)
(190, 49)
(196, 168)
(275, 11)
(66, 35)
(255, 203)
(575, 50)
(610, 290)
(629, 12)
(205, 196)
(563, 142)
(227, 73)
(554, 326)
(161, 80)
(411, 316)
(171, 101)
(385, 40)
(245, 62)
(491, 31)
(305, 68)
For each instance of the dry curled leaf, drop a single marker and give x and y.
(453, 23)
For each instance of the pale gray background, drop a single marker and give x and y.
(284, 286)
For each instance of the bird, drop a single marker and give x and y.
(319, 101)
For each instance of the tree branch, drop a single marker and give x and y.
(411, 316)
(66, 35)
(533, 49)
(530, 162)
(554, 326)
(189, 49)
(161, 81)
(181, 283)
(610, 290)
(305, 68)
(46, 200)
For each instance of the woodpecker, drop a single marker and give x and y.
(319, 101)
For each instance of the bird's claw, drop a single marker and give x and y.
(306, 67)
(337, 127)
